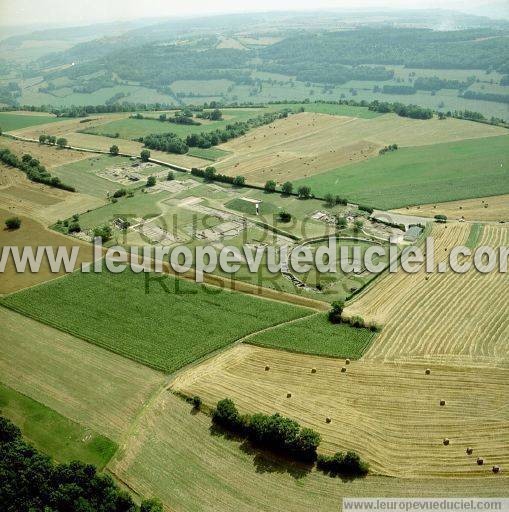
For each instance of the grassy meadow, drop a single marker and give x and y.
(164, 328)
(57, 436)
(336, 110)
(419, 175)
(10, 121)
(83, 174)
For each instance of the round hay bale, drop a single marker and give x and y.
(470, 450)
(480, 461)
(343, 369)
(442, 402)
(313, 370)
(267, 368)
(427, 371)
(446, 441)
(496, 469)
(328, 419)
(288, 395)
(347, 361)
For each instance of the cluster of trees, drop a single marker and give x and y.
(32, 481)
(434, 83)
(386, 149)
(94, 84)
(332, 200)
(69, 226)
(314, 71)
(413, 111)
(61, 142)
(340, 463)
(213, 115)
(182, 117)
(336, 312)
(486, 96)
(34, 170)
(13, 223)
(105, 232)
(210, 174)
(273, 432)
(335, 316)
(169, 142)
(284, 216)
(303, 192)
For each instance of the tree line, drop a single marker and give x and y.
(285, 436)
(172, 143)
(34, 170)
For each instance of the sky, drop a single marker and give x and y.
(78, 12)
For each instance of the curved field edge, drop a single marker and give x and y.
(165, 328)
(59, 437)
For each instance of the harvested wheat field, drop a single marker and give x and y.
(49, 156)
(389, 413)
(85, 383)
(175, 455)
(307, 143)
(20, 196)
(33, 234)
(483, 209)
(67, 125)
(449, 318)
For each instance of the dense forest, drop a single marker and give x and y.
(462, 49)
(317, 57)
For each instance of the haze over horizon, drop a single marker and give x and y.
(60, 12)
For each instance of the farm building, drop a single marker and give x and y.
(412, 234)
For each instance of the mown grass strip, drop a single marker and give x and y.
(57, 436)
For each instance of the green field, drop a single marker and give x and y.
(208, 153)
(164, 329)
(54, 434)
(316, 335)
(9, 122)
(130, 128)
(420, 175)
(140, 206)
(338, 110)
(240, 205)
(82, 174)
